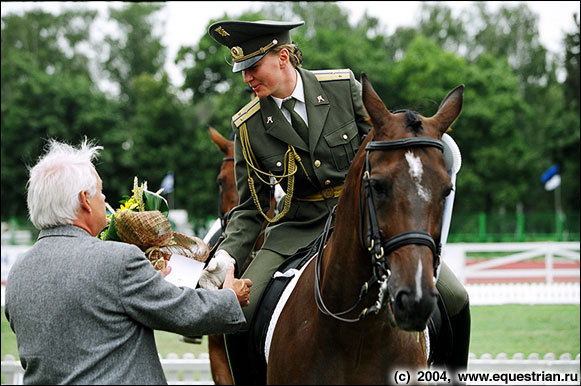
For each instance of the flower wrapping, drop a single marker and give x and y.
(142, 220)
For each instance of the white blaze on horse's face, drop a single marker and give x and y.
(419, 280)
(416, 171)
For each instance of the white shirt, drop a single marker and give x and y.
(300, 106)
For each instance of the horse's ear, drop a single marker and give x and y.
(373, 104)
(449, 109)
(219, 139)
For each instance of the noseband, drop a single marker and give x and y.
(379, 249)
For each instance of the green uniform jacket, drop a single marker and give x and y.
(337, 122)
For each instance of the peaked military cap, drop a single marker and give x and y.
(249, 41)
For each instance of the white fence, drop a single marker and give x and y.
(190, 370)
(523, 293)
(521, 273)
(455, 255)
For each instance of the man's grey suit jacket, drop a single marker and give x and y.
(84, 311)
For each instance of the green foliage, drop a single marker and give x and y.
(51, 42)
(137, 51)
(45, 94)
(518, 117)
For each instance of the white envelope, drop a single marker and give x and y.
(185, 272)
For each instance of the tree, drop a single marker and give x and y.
(571, 85)
(46, 93)
(136, 51)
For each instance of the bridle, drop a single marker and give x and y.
(381, 248)
(378, 248)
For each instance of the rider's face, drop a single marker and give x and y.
(265, 77)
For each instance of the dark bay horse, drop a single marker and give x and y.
(396, 187)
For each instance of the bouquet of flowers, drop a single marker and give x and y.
(142, 220)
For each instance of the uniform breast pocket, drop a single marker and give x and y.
(274, 164)
(343, 144)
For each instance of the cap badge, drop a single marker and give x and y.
(237, 52)
(222, 31)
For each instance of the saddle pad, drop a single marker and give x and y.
(282, 302)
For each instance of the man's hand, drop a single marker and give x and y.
(240, 286)
(214, 274)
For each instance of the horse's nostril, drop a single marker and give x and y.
(402, 299)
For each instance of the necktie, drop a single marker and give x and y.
(296, 121)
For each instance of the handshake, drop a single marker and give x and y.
(220, 273)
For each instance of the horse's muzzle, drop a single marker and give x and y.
(411, 311)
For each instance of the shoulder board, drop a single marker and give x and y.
(246, 112)
(326, 75)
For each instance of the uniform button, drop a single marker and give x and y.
(278, 164)
(317, 163)
(345, 136)
(327, 182)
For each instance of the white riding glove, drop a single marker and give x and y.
(213, 275)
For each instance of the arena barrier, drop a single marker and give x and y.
(189, 370)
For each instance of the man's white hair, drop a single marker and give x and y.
(56, 181)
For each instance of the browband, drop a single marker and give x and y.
(405, 142)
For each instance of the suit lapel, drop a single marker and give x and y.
(317, 107)
(277, 125)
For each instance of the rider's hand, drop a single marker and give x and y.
(240, 286)
(214, 274)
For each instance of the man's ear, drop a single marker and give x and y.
(84, 201)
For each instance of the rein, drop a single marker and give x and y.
(378, 248)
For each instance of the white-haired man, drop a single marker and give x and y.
(84, 310)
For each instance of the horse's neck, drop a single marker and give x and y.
(346, 263)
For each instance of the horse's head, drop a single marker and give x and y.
(406, 179)
(225, 179)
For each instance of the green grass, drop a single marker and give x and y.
(168, 342)
(525, 329)
(495, 329)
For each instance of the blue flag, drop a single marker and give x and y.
(549, 173)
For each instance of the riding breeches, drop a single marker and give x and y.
(260, 270)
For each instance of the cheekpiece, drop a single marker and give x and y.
(249, 41)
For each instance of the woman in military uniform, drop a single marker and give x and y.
(302, 130)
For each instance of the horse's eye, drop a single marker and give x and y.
(379, 186)
(446, 192)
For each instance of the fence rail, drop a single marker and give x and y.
(508, 261)
(493, 294)
(190, 370)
